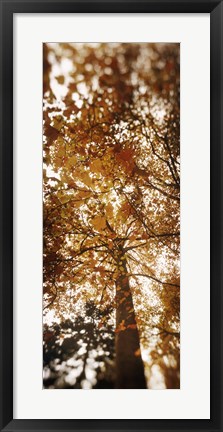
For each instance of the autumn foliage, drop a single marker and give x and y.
(111, 222)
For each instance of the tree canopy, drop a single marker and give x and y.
(111, 215)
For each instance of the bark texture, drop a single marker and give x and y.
(129, 364)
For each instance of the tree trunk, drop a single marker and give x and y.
(129, 364)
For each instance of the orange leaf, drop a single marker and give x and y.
(132, 326)
(60, 79)
(121, 327)
(58, 270)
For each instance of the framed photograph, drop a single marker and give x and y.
(111, 215)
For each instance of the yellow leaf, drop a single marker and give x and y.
(96, 166)
(99, 223)
(72, 161)
(109, 210)
(85, 178)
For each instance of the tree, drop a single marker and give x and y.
(70, 352)
(112, 194)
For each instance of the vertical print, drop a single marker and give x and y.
(111, 216)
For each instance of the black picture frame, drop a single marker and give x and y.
(8, 8)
